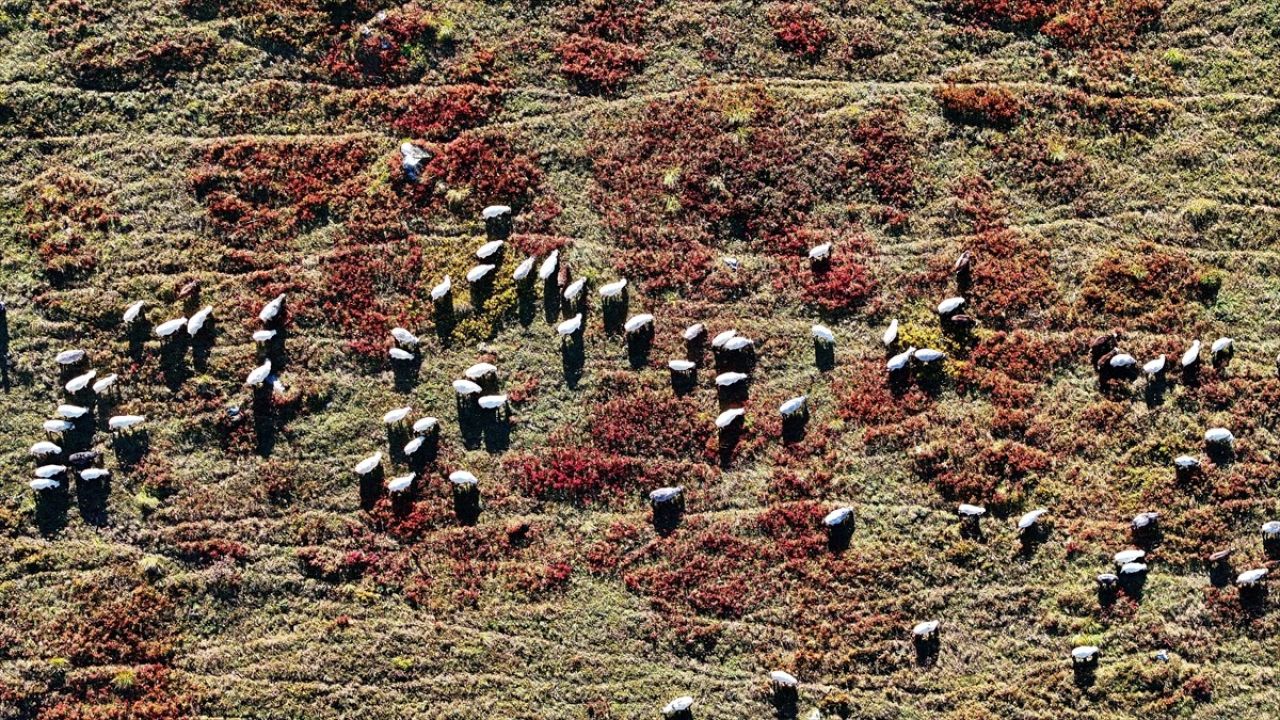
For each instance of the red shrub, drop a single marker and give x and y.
(146, 692)
(867, 399)
(540, 245)
(268, 190)
(795, 528)
(614, 20)
(575, 474)
(391, 48)
(1013, 461)
(109, 64)
(488, 167)
(66, 21)
(886, 155)
(444, 114)
(839, 287)
(1006, 12)
(986, 105)
(410, 520)
(662, 267)
(863, 40)
(650, 423)
(332, 565)
(1011, 281)
(598, 66)
(1057, 174)
(542, 578)
(711, 572)
(66, 213)
(706, 167)
(1147, 288)
(619, 541)
(1103, 23)
(1125, 114)
(1071, 23)
(368, 289)
(1023, 355)
(966, 486)
(114, 627)
(799, 30)
(683, 635)
(208, 552)
(787, 484)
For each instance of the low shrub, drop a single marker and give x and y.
(144, 692)
(65, 214)
(575, 474)
(647, 423)
(392, 48)
(982, 105)
(800, 30)
(115, 625)
(885, 153)
(840, 287)
(1147, 288)
(270, 190)
(443, 114)
(108, 64)
(1073, 24)
(598, 66)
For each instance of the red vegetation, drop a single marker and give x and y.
(709, 571)
(117, 626)
(1010, 368)
(267, 190)
(1102, 23)
(386, 50)
(1147, 288)
(108, 64)
(273, 191)
(367, 289)
(863, 40)
(574, 474)
(1011, 282)
(443, 114)
(541, 579)
(798, 29)
(208, 552)
(332, 565)
(66, 214)
(408, 519)
(689, 173)
(885, 154)
(839, 287)
(601, 50)
(540, 245)
(967, 469)
(1057, 174)
(788, 484)
(1071, 23)
(1022, 355)
(984, 105)
(866, 399)
(649, 423)
(795, 528)
(489, 167)
(66, 21)
(617, 20)
(836, 286)
(147, 692)
(598, 66)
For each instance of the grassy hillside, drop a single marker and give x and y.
(1111, 165)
